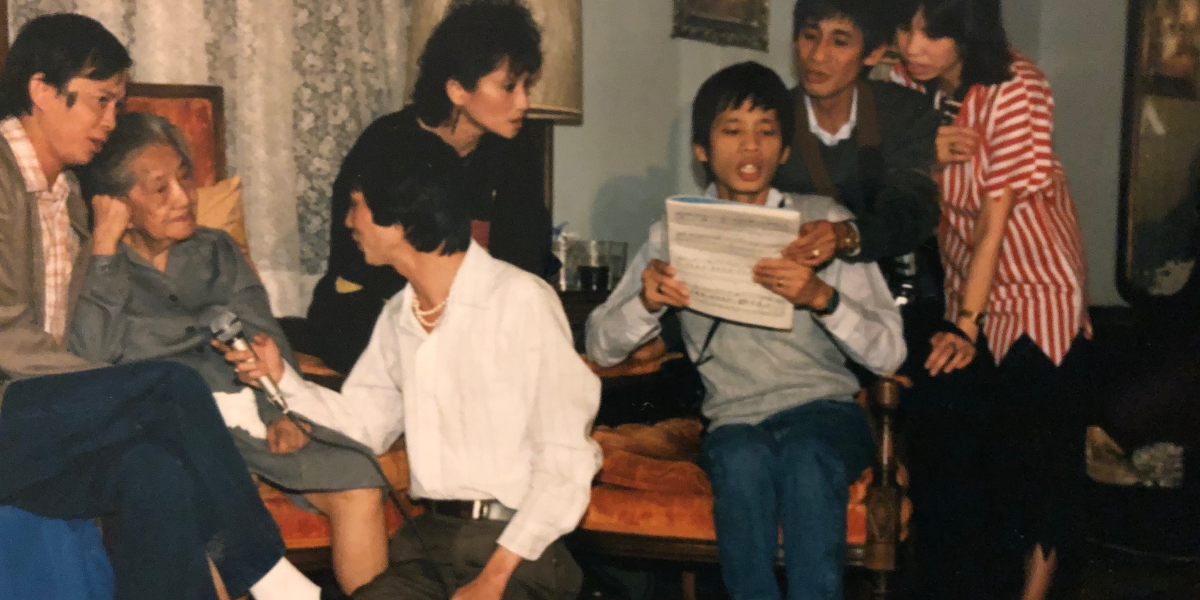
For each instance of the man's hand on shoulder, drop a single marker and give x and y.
(111, 223)
(820, 241)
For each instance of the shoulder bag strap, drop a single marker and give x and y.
(809, 147)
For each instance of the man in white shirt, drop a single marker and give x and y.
(474, 362)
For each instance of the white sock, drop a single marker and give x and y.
(285, 582)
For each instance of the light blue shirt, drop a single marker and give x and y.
(753, 372)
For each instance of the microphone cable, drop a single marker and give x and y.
(390, 490)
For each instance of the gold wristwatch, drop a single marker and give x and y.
(848, 245)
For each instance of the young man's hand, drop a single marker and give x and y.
(796, 282)
(816, 244)
(956, 144)
(285, 436)
(660, 288)
(111, 221)
(490, 583)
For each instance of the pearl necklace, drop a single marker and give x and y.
(421, 314)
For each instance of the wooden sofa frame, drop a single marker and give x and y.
(883, 503)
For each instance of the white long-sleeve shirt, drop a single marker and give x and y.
(495, 402)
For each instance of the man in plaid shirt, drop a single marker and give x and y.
(79, 439)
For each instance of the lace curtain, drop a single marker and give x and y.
(302, 78)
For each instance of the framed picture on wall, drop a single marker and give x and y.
(740, 23)
(1159, 241)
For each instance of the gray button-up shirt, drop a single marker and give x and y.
(130, 311)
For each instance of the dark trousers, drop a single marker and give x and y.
(791, 471)
(997, 460)
(143, 442)
(451, 552)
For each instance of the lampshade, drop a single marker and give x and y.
(558, 93)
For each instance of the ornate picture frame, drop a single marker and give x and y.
(741, 23)
(1159, 238)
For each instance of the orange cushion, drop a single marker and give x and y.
(629, 470)
(650, 485)
(312, 365)
(302, 529)
(619, 509)
(672, 439)
(220, 207)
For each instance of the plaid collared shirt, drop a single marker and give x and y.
(60, 243)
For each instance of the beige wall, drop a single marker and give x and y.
(612, 172)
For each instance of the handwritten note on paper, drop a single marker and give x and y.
(714, 246)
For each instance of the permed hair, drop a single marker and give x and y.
(475, 38)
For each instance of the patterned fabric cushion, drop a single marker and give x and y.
(650, 485)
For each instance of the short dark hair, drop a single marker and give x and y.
(108, 172)
(976, 27)
(874, 18)
(474, 39)
(425, 197)
(61, 47)
(730, 88)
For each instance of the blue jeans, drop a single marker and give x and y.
(145, 442)
(792, 470)
(52, 558)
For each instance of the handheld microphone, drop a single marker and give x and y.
(227, 328)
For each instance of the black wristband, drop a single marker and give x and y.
(949, 327)
(830, 305)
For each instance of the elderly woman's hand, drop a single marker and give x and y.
(111, 217)
(284, 436)
(263, 359)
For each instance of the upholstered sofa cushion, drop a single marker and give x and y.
(650, 485)
(219, 206)
(303, 530)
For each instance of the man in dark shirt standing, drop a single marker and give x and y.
(868, 144)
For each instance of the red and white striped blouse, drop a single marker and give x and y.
(1040, 284)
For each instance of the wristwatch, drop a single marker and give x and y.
(848, 245)
(831, 304)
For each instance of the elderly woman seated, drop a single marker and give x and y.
(145, 297)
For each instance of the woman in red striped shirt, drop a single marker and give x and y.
(1015, 281)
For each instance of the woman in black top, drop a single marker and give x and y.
(469, 100)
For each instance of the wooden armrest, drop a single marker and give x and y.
(883, 501)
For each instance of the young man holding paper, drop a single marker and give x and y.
(786, 437)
